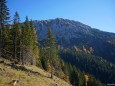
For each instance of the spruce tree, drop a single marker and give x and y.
(4, 16)
(7, 41)
(50, 45)
(30, 49)
(53, 59)
(35, 45)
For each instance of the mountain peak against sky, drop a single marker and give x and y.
(68, 21)
(64, 21)
(51, 19)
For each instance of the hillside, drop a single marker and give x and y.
(27, 76)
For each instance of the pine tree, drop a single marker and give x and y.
(4, 16)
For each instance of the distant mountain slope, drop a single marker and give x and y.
(72, 33)
(27, 76)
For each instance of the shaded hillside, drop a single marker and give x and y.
(97, 66)
(72, 33)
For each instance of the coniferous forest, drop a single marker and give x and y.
(20, 44)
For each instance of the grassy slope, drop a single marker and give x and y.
(27, 76)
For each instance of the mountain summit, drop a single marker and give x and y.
(61, 27)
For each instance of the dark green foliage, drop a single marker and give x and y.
(74, 78)
(30, 49)
(4, 16)
(4, 12)
(51, 47)
(16, 35)
(35, 44)
(94, 65)
(44, 58)
(8, 43)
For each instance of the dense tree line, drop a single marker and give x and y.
(18, 42)
(77, 77)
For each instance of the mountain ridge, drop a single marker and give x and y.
(42, 20)
(60, 23)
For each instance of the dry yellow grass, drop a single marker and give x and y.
(34, 77)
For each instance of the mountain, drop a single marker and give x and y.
(69, 33)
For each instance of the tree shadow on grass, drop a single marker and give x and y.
(22, 68)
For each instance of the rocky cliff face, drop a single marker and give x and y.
(61, 28)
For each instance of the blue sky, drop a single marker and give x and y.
(95, 13)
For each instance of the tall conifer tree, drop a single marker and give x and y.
(35, 45)
(26, 56)
(53, 55)
(4, 16)
(30, 44)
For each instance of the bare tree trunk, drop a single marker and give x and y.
(1, 40)
(0, 34)
(51, 72)
(22, 56)
(20, 47)
(51, 63)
